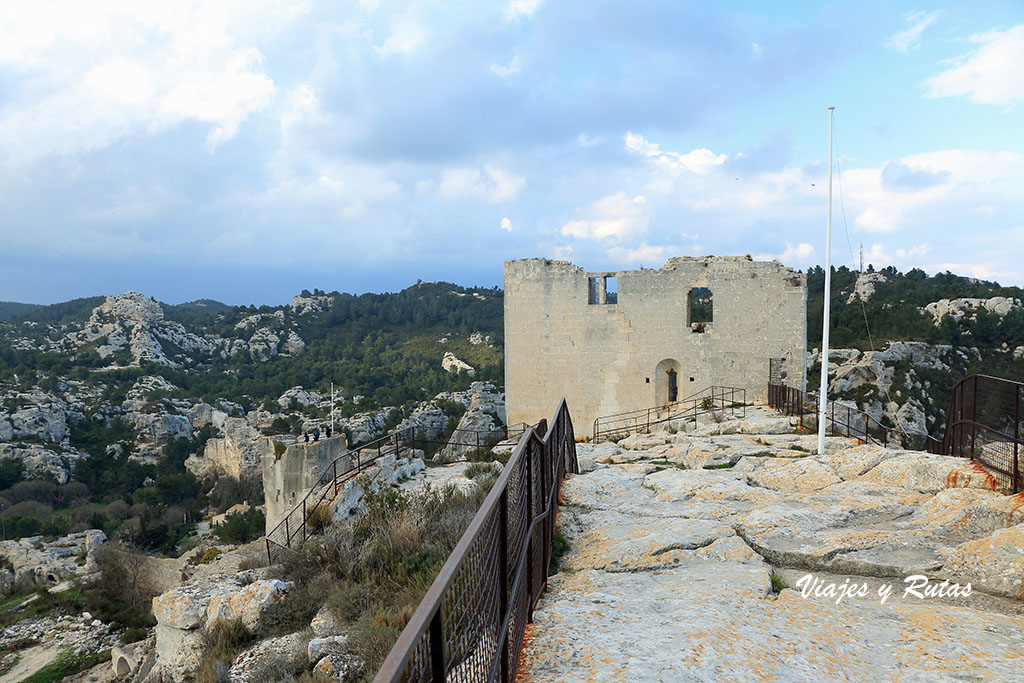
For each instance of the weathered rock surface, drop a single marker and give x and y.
(668, 576)
(47, 563)
(183, 612)
(449, 363)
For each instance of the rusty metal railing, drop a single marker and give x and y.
(471, 623)
(302, 521)
(711, 399)
(984, 424)
(845, 420)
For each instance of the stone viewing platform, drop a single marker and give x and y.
(689, 557)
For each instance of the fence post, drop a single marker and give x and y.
(303, 520)
(287, 533)
(502, 580)
(974, 416)
(530, 548)
(1016, 440)
(437, 666)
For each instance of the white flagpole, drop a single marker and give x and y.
(823, 389)
(332, 407)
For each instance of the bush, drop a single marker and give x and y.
(279, 449)
(241, 527)
(133, 634)
(210, 555)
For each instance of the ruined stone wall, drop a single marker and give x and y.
(608, 358)
(288, 478)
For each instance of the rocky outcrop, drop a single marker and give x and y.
(427, 419)
(453, 365)
(42, 462)
(134, 323)
(300, 396)
(182, 613)
(865, 286)
(477, 339)
(38, 414)
(662, 547)
(235, 452)
(36, 562)
(485, 412)
(316, 303)
(967, 308)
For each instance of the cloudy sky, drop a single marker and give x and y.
(244, 150)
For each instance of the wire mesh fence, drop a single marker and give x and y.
(983, 424)
(471, 623)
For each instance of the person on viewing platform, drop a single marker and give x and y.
(327, 431)
(306, 434)
(316, 434)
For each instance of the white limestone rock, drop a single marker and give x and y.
(865, 286)
(47, 563)
(967, 308)
(302, 398)
(453, 365)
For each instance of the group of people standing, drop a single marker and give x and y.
(316, 433)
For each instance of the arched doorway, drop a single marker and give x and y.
(666, 382)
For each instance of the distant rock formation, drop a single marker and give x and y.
(453, 365)
(967, 308)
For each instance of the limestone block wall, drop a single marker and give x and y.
(607, 358)
(288, 478)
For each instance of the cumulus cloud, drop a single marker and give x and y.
(100, 75)
(992, 74)
(493, 184)
(910, 37)
(506, 224)
(700, 161)
(798, 254)
(615, 218)
(515, 9)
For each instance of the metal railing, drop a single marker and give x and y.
(303, 520)
(709, 400)
(471, 623)
(984, 424)
(845, 420)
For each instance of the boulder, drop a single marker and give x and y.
(449, 363)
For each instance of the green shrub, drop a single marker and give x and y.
(134, 634)
(210, 555)
(241, 527)
(279, 449)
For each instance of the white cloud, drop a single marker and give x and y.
(506, 71)
(643, 253)
(493, 184)
(700, 161)
(585, 140)
(801, 253)
(128, 68)
(875, 219)
(992, 74)
(520, 8)
(506, 224)
(910, 37)
(615, 218)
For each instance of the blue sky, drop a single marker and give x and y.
(244, 151)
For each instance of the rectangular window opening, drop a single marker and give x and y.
(611, 290)
(595, 286)
(701, 309)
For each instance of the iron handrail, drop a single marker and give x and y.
(296, 523)
(793, 401)
(501, 561)
(988, 409)
(283, 533)
(640, 421)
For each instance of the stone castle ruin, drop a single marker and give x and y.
(628, 340)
